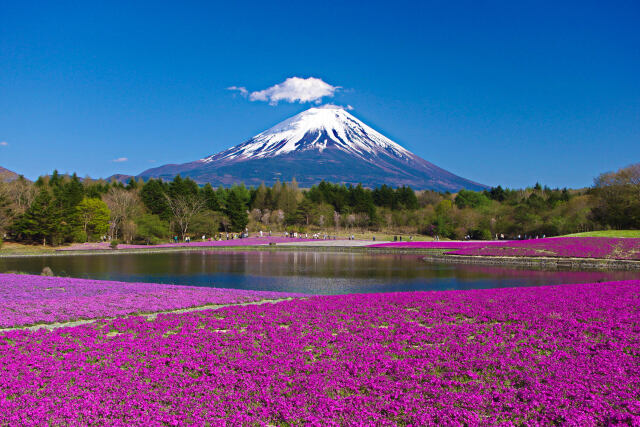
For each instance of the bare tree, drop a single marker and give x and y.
(277, 216)
(255, 215)
(6, 215)
(124, 206)
(266, 216)
(129, 229)
(21, 194)
(184, 208)
(336, 219)
(16, 197)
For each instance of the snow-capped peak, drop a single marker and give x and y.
(318, 128)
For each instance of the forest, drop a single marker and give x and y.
(59, 209)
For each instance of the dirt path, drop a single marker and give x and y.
(150, 316)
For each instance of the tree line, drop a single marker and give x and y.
(59, 209)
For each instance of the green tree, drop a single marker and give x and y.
(236, 210)
(444, 219)
(470, 199)
(93, 216)
(407, 197)
(211, 199)
(153, 197)
(617, 198)
(41, 221)
(151, 228)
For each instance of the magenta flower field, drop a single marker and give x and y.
(451, 244)
(572, 247)
(527, 356)
(578, 247)
(250, 241)
(28, 300)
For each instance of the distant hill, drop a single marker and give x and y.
(120, 177)
(322, 143)
(6, 175)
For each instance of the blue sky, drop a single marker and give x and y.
(503, 93)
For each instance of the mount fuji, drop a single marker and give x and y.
(321, 143)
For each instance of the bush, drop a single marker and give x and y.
(151, 229)
(480, 234)
(114, 244)
(80, 236)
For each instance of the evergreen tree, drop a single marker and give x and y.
(236, 210)
(41, 222)
(260, 198)
(132, 184)
(222, 197)
(407, 197)
(210, 198)
(153, 197)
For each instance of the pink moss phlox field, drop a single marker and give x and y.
(28, 300)
(566, 355)
(250, 241)
(453, 244)
(564, 247)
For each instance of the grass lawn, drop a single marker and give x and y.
(20, 249)
(607, 233)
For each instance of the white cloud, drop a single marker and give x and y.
(335, 106)
(295, 89)
(243, 90)
(120, 159)
(4, 144)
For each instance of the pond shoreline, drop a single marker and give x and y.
(433, 255)
(271, 248)
(597, 264)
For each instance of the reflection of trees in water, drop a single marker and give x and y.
(326, 265)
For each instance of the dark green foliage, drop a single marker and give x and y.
(154, 199)
(617, 197)
(151, 228)
(407, 198)
(211, 199)
(41, 222)
(236, 208)
(470, 199)
(64, 205)
(184, 187)
(496, 193)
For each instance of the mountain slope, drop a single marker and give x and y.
(7, 175)
(321, 143)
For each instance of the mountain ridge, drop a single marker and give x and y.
(321, 143)
(7, 175)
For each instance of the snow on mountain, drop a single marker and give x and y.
(322, 143)
(315, 129)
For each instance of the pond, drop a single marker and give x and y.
(303, 271)
(306, 272)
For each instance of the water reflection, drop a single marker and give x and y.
(308, 272)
